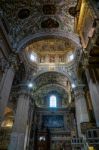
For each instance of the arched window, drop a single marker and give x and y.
(53, 101)
(70, 57)
(33, 57)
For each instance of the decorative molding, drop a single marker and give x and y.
(78, 91)
(27, 17)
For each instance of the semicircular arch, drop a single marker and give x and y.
(44, 35)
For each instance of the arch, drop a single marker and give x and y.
(51, 89)
(54, 84)
(59, 79)
(56, 71)
(44, 35)
(49, 85)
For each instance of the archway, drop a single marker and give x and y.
(44, 35)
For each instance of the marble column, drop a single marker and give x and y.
(94, 93)
(81, 108)
(5, 88)
(18, 136)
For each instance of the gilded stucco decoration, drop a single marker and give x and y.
(51, 50)
(42, 95)
(51, 46)
(51, 78)
(24, 18)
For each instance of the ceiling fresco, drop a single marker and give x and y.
(23, 18)
(51, 50)
(51, 46)
(51, 78)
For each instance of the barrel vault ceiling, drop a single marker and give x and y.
(24, 18)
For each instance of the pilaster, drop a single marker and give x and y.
(20, 127)
(94, 93)
(6, 83)
(81, 107)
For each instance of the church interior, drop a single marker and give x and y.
(49, 74)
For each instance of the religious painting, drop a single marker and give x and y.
(53, 121)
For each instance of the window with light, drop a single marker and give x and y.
(53, 101)
(70, 57)
(33, 57)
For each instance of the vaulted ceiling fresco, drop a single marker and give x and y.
(51, 46)
(23, 18)
(51, 78)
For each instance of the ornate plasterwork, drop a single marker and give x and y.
(51, 50)
(74, 38)
(78, 91)
(68, 69)
(51, 46)
(41, 96)
(51, 78)
(21, 28)
(52, 55)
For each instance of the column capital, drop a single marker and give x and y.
(13, 62)
(22, 90)
(29, 73)
(78, 91)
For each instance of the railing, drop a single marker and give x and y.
(62, 67)
(91, 139)
(92, 136)
(86, 126)
(52, 67)
(79, 143)
(86, 145)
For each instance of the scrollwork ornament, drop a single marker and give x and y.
(13, 62)
(79, 92)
